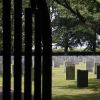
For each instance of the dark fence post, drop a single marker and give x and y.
(37, 74)
(47, 50)
(17, 48)
(6, 49)
(28, 53)
(47, 54)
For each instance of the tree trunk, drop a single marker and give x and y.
(94, 44)
(66, 50)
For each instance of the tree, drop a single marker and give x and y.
(25, 4)
(64, 33)
(81, 12)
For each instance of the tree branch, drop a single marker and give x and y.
(77, 14)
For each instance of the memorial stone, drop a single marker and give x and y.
(1, 58)
(41, 64)
(80, 58)
(56, 63)
(0, 68)
(95, 67)
(96, 59)
(32, 73)
(54, 58)
(23, 64)
(82, 78)
(32, 62)
(83, 59)
(98, 71)
(89, 66)
(70, 72)
(68, 64)
(12, 70)
(23, 67)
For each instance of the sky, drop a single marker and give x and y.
(59, 47)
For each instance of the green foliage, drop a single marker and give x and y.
(72, 25)
(25, 4)
(66, 30)
(92, 5)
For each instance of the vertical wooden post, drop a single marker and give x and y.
(17, 48)
(47, 50)
(47, 54)
(37, 78)
(6, 49)
(28, 53)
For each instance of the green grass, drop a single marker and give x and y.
(66, 89)
(74, 50)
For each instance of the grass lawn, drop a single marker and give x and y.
(66, 89)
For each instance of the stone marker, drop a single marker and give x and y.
(67, 64)
(96, 59)
(83, 59)
(57, 63)
(80, 58)
(70, 72)
(0, 68)
(12, 70)
(54, 58)
(12, 61)
(95, 68)
(41, 64)
(89, 66)
(98, 71)
(1, 58)
(82, 78)
(32, 73)
(23, 64)
(23, 67)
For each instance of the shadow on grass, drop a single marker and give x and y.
(93, 84)
(92, 96)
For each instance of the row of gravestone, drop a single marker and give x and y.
(82, 75)
(77, 59)
(59, 60)
(23, 64)
(88, 66)
(90, 61)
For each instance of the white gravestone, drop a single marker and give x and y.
(89, 66)
(41, 64)
(80, 58)
(1, 58)
(74, 61)
(57, 63)
(96, 59)
(23, 65)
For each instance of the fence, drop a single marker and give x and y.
(42, 28)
